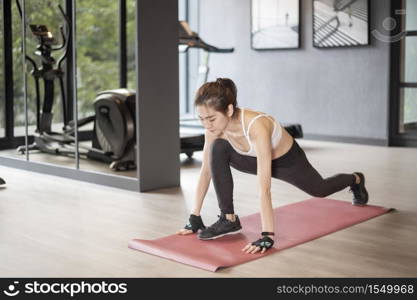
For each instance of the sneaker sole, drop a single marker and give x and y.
(219, 236)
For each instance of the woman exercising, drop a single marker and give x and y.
(254, 143)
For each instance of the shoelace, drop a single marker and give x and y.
(221, 220)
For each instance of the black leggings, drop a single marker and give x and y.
(293, 167)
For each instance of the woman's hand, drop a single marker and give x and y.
(184, 231)
(195, 223)
(252, 249)
(261, 245)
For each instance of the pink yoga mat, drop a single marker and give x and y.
(295, 224)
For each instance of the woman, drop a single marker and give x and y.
(254, 143)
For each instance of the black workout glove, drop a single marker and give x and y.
(195, 223)
(265, 242)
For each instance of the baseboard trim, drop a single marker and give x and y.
(346, 139)
(121, 182)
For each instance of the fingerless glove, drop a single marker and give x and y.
(265, 241)
(195, 223)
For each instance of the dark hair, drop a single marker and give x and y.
(218, 95)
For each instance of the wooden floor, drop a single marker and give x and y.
(55, 227)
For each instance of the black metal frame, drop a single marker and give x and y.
(187, 66)
(8, 73)
(284, 48)
(9, 140)
(353, 46)
(396, 56)
(122, 44)
(69, 67)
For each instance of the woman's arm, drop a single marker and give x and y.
(261, 139)
(205, 176)
(203, 180)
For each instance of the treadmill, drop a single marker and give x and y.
(191, 130)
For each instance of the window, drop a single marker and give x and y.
(408, 91)
(18, 100)
(130, 32)
(403, 83)
(97, 51)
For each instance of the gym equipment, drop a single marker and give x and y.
(295, 224)
(115, 129)
(63, 143)
(113, 137)
(189, 39)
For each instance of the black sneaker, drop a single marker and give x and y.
(220, 228)
(360, 194)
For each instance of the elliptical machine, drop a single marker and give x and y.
(113, 145)
(49, 71)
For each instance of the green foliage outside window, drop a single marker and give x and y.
(97, 52)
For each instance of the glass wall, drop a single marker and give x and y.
(18, 100)
(130, 32)
(97, 45)
(97, 51)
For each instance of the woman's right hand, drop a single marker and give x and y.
(184, 231)
(195, 223)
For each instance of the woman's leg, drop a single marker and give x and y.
(295, 168)
(221, 158)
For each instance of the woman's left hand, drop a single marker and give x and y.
(252, 249)
(261, 245)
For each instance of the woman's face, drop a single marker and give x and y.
(212, 120)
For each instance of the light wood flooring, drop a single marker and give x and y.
(56, 227)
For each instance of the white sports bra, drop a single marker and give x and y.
(275, 137)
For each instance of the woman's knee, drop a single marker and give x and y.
(220, 147)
